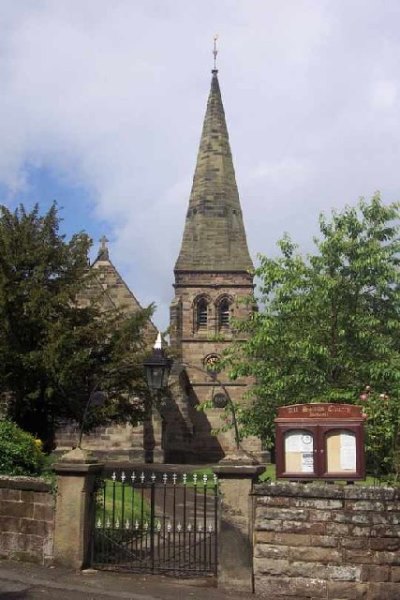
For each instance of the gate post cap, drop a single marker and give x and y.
(239, 456)
(78, 455)
(235, 471)
(77, 461)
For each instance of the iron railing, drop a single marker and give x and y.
(157, 523)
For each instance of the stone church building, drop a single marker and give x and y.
(212, 277)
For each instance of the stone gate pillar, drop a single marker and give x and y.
(235, 543)
(74, 519)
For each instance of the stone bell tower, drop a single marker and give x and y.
(213, 275)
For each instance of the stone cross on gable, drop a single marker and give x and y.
(104, 241)
(103, 250)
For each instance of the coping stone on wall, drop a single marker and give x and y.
(324, 490)
(34, 484)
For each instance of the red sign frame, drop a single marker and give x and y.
(321, 423)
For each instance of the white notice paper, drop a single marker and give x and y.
(293, 442)
(348, 451)
(307, 462)
(301, 442)
(306, 442)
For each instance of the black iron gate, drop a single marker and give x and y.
(164, 523)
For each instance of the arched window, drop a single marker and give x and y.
(224, 313)
(201, 313)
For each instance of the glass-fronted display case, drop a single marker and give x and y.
(320, 441)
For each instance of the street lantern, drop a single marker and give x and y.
(157, 367)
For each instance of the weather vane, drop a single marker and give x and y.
(215, 51)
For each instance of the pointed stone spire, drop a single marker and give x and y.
(214, 237)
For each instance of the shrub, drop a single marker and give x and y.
(382, 432)
(20, 452)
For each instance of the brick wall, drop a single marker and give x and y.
(26, 519)
(327, 541)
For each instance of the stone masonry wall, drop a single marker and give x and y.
(193, 345)
(315, 541)
(111, 442)
(27, 510)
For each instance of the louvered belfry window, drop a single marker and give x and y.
(201, 313)
(224, 313)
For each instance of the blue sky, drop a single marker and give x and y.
(44, 186)
(102, 103)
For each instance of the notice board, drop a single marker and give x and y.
(320, 441)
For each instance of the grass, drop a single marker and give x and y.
(200, 474)
(122, 502)
(270, 475)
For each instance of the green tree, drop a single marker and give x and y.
(328, 323)
(382, 443)
(56, 347)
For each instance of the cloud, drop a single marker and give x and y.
(384, 94)
(286, 174)
(111, 98)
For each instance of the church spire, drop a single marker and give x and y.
(214, 237)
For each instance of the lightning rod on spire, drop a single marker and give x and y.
(215, 51)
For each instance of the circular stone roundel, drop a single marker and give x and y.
(211, 363)
(220, 400)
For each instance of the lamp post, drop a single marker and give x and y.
(157, 367)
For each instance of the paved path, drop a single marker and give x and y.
(24, 581)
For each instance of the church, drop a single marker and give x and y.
(212, 279)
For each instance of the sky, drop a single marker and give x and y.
(102, 104)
